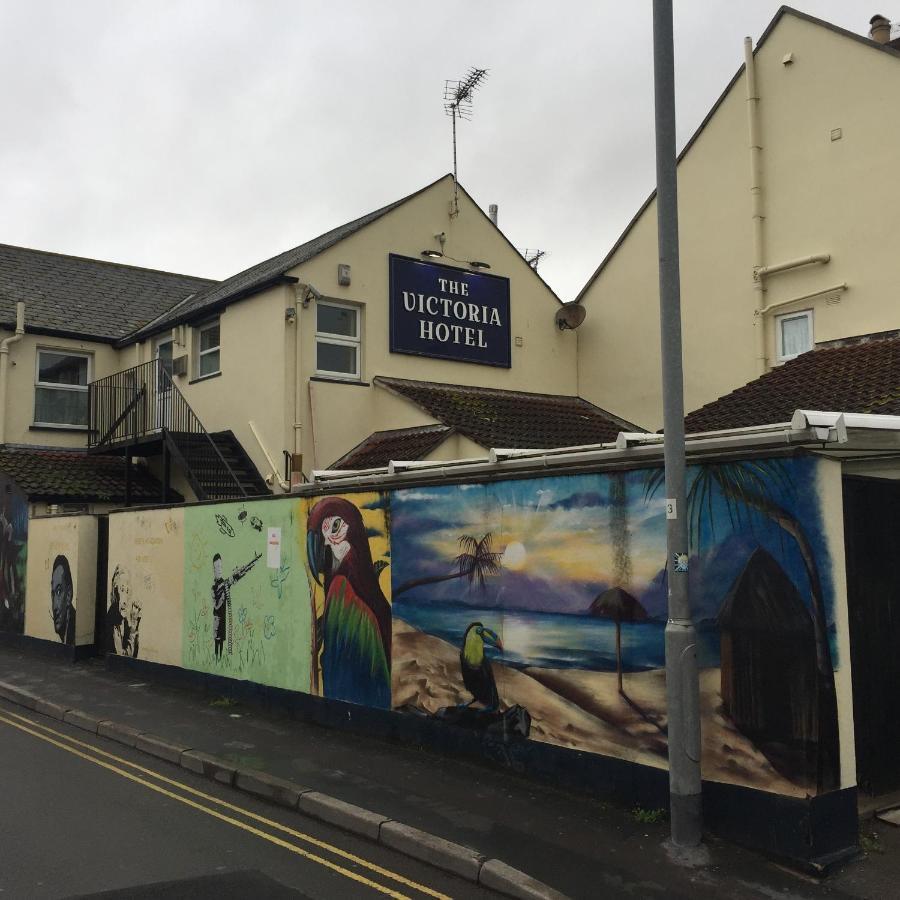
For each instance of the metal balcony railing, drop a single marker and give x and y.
(136, 405)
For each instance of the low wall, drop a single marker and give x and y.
(61, 580)
(524, 620)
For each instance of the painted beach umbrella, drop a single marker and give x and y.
(620, 606)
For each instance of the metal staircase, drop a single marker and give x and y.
(140, 411)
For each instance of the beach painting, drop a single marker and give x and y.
(535, 609)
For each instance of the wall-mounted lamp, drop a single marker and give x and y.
(290, 315)
(310, 293)
(474, 263)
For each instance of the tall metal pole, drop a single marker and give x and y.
(682, 684)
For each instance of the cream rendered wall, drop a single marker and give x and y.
(252, 385)
(819, 196)
(346, 413)
(22, 373)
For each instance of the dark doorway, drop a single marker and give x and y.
(872, 541)
(102, 571)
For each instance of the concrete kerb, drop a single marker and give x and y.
(421, 845)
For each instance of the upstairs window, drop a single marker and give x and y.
(61, 388)
(208, 350)
(794, 334)
(337, 340)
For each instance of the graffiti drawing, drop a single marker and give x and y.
(256, 523)
(353, 632)
(123, 618)
(224, 525)
(221, 599)
(61, 595)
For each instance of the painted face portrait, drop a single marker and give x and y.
(61, 596)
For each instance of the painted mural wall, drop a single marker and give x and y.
(537, 608)
(527, 610)
(61, 579)
(247, 611)
(146, 584)
(13, 554)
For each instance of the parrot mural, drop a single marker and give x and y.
(356, 622)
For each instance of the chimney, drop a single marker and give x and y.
(492, 212)
(880, 32)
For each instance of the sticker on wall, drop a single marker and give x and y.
(273, 548)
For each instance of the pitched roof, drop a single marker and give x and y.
(85, 297)
(268, 272)
(858, 378)
(380, 448)
(511, 419)
(892, 49)
(74, 475)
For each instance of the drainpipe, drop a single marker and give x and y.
(4, 363)
(756, 204)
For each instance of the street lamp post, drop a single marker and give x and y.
(682, 684)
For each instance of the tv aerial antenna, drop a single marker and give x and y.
(458, 104)
(533, 257)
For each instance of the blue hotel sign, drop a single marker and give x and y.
(448, 313)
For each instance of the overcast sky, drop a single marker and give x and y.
(203, 136)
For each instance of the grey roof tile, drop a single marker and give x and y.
(89, 297)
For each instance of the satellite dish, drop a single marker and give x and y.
(569, 316)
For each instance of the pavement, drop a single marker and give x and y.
(488, 825)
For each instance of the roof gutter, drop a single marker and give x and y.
(198, 315)
(629, 448)
(5, 344)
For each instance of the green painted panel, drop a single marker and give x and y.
(246, 596)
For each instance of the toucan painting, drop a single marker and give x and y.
(356, 623)
(478, 676)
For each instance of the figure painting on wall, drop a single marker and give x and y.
(353, 634)
(13, 538)
(61, 593)
(221, 599)
(123, 618)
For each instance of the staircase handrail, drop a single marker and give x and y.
(194, 420)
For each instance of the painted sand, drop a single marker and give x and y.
(583, 710)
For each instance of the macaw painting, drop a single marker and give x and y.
(536, 608)
(347, 550)
(13, 549)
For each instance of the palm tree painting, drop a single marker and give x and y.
(475, 562)
(755, 491)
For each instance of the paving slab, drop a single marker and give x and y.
(575, 844)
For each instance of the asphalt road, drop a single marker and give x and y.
(83, 816)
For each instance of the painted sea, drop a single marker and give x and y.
(554, 641)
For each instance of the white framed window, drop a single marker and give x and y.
(337, 340)
(209, 360)
(794, 334)
(61, 388)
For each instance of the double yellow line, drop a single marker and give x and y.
(99, 757)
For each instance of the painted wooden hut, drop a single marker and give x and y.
(768, 655)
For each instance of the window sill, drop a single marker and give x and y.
(205, 377)
(334, 380)
(42, 426)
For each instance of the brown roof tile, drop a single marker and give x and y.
(380, 448)
(511, 419)
(859, 378)
(72, 475)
